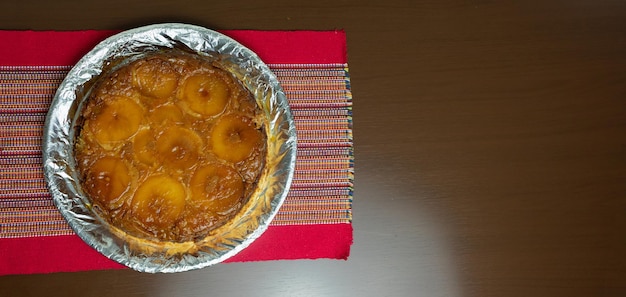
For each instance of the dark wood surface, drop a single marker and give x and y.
(489, 137)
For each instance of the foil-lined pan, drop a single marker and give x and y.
(60, 168)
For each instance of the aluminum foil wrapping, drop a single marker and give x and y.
(60, 165)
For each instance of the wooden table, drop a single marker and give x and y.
(489, 139)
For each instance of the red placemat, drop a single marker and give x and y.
(314, 222)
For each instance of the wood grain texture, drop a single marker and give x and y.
(489, 140)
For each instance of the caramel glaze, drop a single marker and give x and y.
(169, 147)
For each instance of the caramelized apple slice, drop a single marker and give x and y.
(234, 137)
(117, 120)
(217, 186)
(166, 114)
(179, 147)
(155, 77)
(107, 180)
(159, 201)
(206, 94)
(144, 147)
